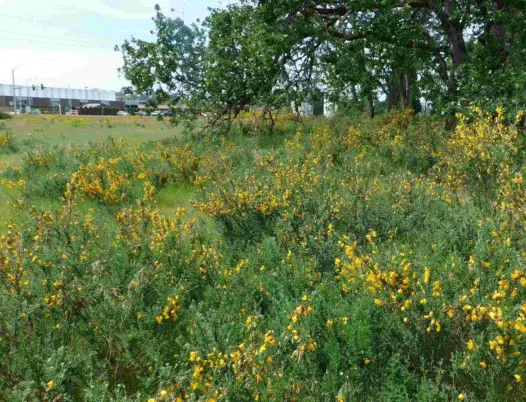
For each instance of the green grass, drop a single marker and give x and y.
(34, 133)
(185, 195)
(7, 212)
(30, 132)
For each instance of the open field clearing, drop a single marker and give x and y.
(30, 132)
(336, 260)
(32, 135)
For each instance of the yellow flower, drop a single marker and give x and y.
(379, 302)
(427, 275)
(470, 345)
(483, 365)
(461, 397)
(50, 384)
(367, 361)
(163, 393)
(517, 377)
(159, 319)
(339, 398)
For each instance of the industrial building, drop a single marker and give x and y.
(62, 98)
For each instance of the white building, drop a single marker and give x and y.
(50, 96)
(23, 91)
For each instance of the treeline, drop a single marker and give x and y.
(452, 53)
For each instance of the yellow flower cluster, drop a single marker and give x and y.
(170, 310)
(6, 140)
(481, 142)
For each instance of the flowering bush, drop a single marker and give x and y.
(362, 260)
(7, 143)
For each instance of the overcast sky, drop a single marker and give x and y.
(70, 43)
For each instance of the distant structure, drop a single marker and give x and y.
(319, 107)
(304, 108)
(133, 102)
(63, 98)
(330, 109)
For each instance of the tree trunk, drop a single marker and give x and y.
(451, 122)
(454, 30)
(393, 94)
(370, 104)
(353, 93)
(399, 91)
(405, 90)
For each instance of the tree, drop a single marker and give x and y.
(261, 53)
(220, 68)
(171, 68)
(440, 34)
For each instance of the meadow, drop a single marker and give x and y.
(29, 134)
(342, 259)
(31, 131)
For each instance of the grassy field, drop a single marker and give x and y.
(331, 260)
(31, 132)
(37, 133)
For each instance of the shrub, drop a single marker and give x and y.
(7, 142)
(343, 260)
(4, 115)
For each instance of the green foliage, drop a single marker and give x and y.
(345, 259)
(260, 54)
(4, 115)
(7, 142)
(171, 68)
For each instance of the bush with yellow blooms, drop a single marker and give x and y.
(341, 259)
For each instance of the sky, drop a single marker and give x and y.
(64, 44)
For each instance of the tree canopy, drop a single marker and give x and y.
(262, 53)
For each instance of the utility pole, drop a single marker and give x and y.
(180, 12)
(28, 97)
(70, 97)
(14, 88)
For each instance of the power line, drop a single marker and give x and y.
(46, 23)
(54, 38)
(21, 18)
(34, 21)
(51, 43)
